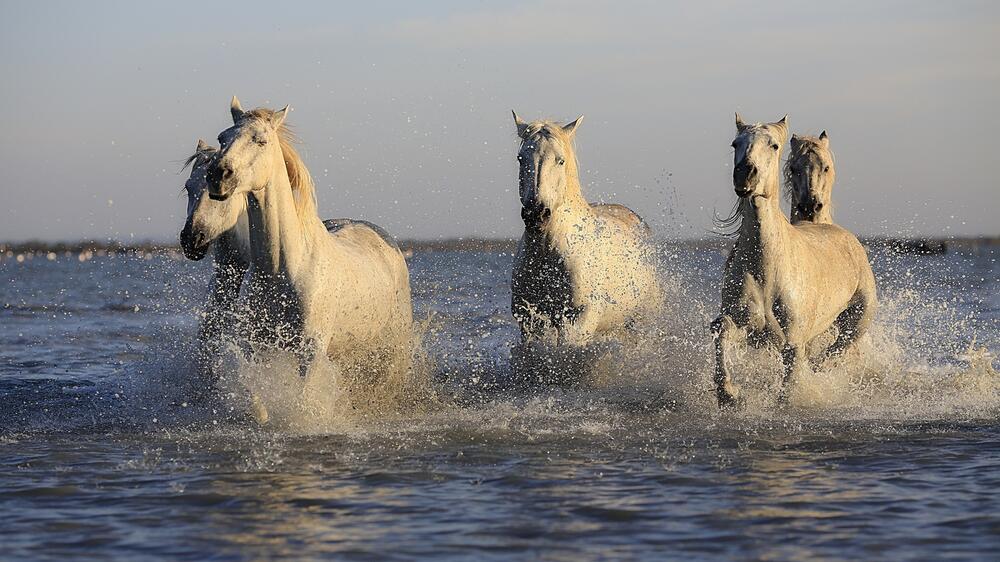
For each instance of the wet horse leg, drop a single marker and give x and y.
(724, 332)
(851, 324)
(794, 359)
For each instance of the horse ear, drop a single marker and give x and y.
(740, 125)
(825, 139)
(236, 109)
(783, 125)
(570, 128)
(520, 124)
(278, 117)
(202, 146)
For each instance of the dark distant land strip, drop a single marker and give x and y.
(87, 249)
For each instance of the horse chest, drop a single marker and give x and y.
(276, 310)
(748, 294)
(543, 286)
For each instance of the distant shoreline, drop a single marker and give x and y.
(86, 249)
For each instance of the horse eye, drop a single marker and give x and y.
(826, 168)
(774, 147)
(733, 144)
(260, 140)
(561, 161)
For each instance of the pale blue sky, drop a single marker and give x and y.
(405, 107)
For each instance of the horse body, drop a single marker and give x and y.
(580, 271)
(345, 294)
(785, 284)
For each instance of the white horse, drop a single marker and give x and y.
(785, 284)
(809, 177)
(581, 270)
(221, 226)
(345, 294)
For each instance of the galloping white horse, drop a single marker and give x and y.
(809, 177)
(222, 226)
(785, 284)
(581, 270)
(345, 293)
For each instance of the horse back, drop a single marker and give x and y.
(621, 214)
(333, 226)
(368, 248)
(831, 243)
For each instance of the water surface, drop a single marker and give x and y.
(107, 451)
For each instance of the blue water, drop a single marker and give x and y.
(107, 451)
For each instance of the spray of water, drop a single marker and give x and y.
(920, 361)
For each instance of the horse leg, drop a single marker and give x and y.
(726, 391)
(305, 353)
(580, 330)
(851, 324)
(793, 357)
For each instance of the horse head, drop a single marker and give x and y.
(809, 177)
(757, 155)
(547, 167)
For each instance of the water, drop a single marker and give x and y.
(106, 451)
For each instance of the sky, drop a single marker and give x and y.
(404, 107)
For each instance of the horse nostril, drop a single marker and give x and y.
(819, 206)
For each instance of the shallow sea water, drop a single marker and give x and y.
(107, 451)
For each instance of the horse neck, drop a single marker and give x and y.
(232, 248)
(278, 238)
(764, 227)
(574, 211)
(574, 193)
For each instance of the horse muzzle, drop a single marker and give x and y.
(193, 244)
(809, 210)
(744, 178)
(535, 216)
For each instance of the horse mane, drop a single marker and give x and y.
(199, 154)
(729, 225)
(303, 188)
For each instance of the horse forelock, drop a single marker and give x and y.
(549, 130)
(545, 130)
